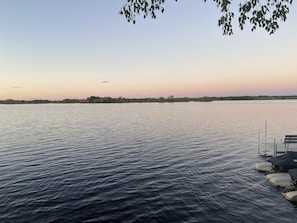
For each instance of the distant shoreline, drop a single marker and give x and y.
(96, 99)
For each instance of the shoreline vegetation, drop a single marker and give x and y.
(96, 99)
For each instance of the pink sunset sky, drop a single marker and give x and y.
(75, 49)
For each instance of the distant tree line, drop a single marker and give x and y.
(171, 98)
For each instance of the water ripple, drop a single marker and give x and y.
(135, 163)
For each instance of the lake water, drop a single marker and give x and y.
(146, 162)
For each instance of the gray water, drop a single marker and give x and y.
(147, 162)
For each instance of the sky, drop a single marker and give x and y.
(57, 49)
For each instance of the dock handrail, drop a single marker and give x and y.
(289, 139)
(278, 147)
(275, 148)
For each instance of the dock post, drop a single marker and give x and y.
(265, 137)
(274, 147)
(258, 142)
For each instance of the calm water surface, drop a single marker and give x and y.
(150, 162)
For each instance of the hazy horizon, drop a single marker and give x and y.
(165, 97)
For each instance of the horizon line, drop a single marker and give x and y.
(169, 98)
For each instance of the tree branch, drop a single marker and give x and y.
(266, 14)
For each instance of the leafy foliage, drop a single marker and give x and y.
(264, 14)
(144, 7)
